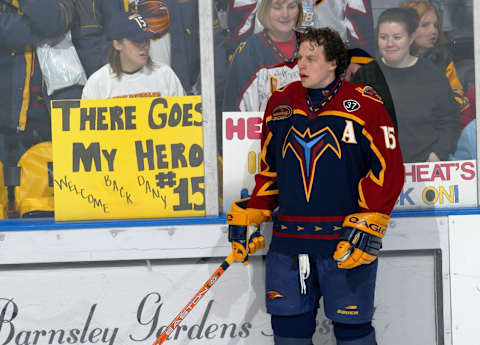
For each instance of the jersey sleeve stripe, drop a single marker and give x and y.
(380, 179)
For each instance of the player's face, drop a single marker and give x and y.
(394, 44)
(315, 71)
(427, 33)
(282, 19)
(133, 55)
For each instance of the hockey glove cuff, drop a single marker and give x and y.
(241, 215)
(361, 239)
(245, 240)
(243, 229)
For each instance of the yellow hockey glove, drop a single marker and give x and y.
(241, 215)
(361, 239)
(243, 229)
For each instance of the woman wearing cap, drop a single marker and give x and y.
(130, 71)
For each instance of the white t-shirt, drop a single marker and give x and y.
(161, 81)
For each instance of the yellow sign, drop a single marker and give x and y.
(128, 158)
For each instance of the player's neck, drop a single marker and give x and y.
(318, 95)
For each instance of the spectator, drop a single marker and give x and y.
(24, 103)
(157, 16)
(88, 31)
(257, 70)
(461, 13)
(467, 143)
(353, 22)
(176, 41)
(130, 71)
(427, 114)
(430, 42)
(264, 62)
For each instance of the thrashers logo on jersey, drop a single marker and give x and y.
(370, 92)
(282, 112)
(274, 294)
(308, 148)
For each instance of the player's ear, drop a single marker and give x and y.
(333, 65)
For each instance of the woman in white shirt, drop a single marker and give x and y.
(130, 71)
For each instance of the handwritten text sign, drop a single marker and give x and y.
(128, 158)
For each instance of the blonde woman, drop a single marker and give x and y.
(265, 61)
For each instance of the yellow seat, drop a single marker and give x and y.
(34, 195)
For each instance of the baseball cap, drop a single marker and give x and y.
(131, 26)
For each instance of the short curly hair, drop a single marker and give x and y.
(332, 43)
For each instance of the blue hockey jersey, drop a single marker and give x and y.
(321, 165)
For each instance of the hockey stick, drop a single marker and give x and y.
(195, 299)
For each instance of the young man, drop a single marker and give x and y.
(332, 165)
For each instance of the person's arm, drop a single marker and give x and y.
(360, 240)
(259, 206)
(371, 74)
(456, 85)
(49, 18)
(265, 193)
(446, 119)
(91, 89)
(356, 58)
(264, 199)
(467, 143)
(241, 84)
(15, 28)
(382, 185)
(111, 7)
(87, 92)
(241, 21)
(175, 87)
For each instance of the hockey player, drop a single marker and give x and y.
(331, 163)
